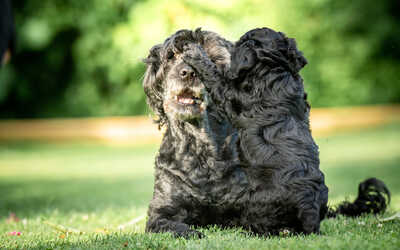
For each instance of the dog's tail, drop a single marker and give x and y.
(373, 197)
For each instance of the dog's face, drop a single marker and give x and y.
(184, 96)
(173, 89)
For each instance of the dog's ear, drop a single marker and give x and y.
(295, 57)
(276, 48)
(244, 57)
(154, 56)
(152, 82)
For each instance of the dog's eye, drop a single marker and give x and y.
(170, 55)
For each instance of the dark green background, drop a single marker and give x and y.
(83, 58)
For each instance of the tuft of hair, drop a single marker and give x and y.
(373, 197)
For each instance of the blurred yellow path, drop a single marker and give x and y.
(140, 130)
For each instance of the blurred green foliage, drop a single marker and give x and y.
(83, 58)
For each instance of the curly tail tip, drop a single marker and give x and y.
(373, 197)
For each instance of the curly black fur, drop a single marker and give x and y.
(237, 150)
(373, 197)
(265, 102)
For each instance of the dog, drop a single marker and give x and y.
(237, 150)
(191, 171)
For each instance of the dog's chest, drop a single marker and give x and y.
(210, 182)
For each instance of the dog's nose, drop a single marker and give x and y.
(187, 72)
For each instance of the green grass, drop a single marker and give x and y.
(95, 188)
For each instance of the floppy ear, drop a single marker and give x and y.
(152, 82)
(243, 58)
(295, 57)
(274, 48)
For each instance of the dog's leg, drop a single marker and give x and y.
(195, 56)
(309, 214)
(206, 70)
(157, 224)
(167, 215)
(309, 195)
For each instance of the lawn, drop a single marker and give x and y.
(95, 188)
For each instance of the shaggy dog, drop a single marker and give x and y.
(194, 182)
(237, 150)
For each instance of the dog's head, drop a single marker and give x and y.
(268, 46)
(265, 67)
(173, 90)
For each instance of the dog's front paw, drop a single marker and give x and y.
(183, 230)
(179, 43)
(193, 234)
(310, 222)
(193, 52)
(195, 56)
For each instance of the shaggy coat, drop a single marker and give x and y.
(264, 99)
(194, 179)
(237, 150)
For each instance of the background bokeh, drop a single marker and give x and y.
(90, 169)
(83, 58)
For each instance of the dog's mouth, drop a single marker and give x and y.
(186, 104)
(189, 97)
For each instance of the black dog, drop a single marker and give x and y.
(240, 153)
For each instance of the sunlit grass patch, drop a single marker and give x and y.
(97, 188)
